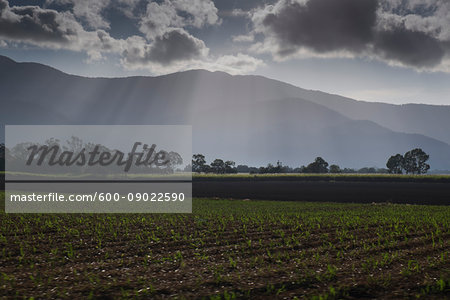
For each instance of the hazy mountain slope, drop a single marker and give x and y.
(295, 131)
(430, 120)
(244, 118)
(197, 90)
(184, 92)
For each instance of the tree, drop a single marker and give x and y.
(174, 160)
(395, 164)
(414, 161)
(218, 166)
(318, 166)
(229, 167)
(367, 170)
(335, 169)
(188, 168)
(198, 163)
(264, 170)
(243, 169)
(301, 169)
(279, 168)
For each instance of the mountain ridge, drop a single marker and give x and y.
(5, 58)
(202, 98)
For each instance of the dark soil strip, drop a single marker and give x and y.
(326, 191)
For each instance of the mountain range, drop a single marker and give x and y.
(248, 119)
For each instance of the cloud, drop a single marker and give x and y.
(322, 25)
(237, 12)
(90, 12)
(172, 14)
(33, 24)
(233, 64)
(166, 46)
(127, 7)
(49, 28)
(407, 33)
(176, 51)
(243, 38)
(52, 29)
(159, 18)
(413, 48)
(176, 45)
(236, 64)
(200, 12)
(172, 46)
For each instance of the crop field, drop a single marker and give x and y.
(231, 249)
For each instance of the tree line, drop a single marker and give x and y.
(413, 162)
(76, 157)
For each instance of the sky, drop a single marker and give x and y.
(395, 51)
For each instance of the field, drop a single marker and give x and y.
(327, 177)
(345, 188)
(231, 249)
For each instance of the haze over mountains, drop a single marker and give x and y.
(249, 119)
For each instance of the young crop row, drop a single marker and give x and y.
(231, 249)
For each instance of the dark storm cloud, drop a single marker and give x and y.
(175, 45)
(412, 48)
(31, 23)
(357, 26)
(324, 25)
